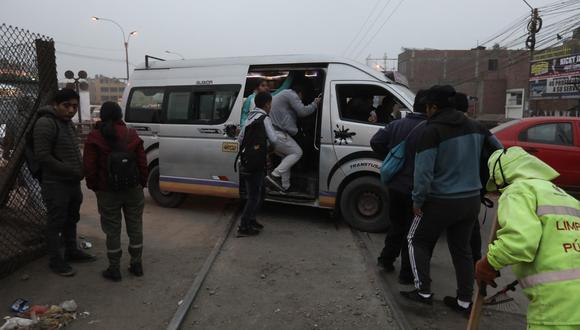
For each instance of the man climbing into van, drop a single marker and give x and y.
(287, 107)
(538, 237)
(253, 153)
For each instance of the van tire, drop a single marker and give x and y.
(164, 199)
(364, 204)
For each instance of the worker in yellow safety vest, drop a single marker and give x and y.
(539, 235)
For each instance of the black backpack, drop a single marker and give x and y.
(122, 169)
(31, 162)
(254, 149)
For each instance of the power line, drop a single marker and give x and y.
(370, 27)
(362, 27)
(99, 58)
(380, 28)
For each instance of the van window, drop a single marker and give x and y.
(200, 105)
(145, 105)
(215, 107)
(178, 107)
(369, 104)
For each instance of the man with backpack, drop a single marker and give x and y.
(446, 194)
(116, 170)
(400, 186)
(55, 148)
(253, 141)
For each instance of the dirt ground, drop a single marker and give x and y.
(302, 272)
(177, 241)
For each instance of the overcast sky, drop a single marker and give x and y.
(254, 27)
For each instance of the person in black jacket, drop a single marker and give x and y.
(57, 151)
(401, 186)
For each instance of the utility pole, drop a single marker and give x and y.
(78, 85)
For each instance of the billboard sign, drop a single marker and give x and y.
(555, 78)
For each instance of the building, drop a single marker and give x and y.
(555, 80)
(103, 89)
(496, 80)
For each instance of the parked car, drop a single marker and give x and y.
(555, 140)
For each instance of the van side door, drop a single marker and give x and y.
(197, 155)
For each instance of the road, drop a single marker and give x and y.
(305, 271)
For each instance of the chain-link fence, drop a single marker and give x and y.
(27, 79)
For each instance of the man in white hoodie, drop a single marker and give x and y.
(287, 107)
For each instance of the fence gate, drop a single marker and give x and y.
(27, 80)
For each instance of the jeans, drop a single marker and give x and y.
(254, 183)
(290, 151)
(131, 203)
(400, 217)
(63, 203)
(457, 217)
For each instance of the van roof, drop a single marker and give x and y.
(261, 60)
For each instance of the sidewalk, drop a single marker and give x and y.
(302, 272)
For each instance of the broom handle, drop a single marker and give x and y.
(473, 323)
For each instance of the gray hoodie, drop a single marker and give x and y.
(287, 107)
(57, 149)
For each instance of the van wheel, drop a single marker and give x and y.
(163, 198)
(364, 204)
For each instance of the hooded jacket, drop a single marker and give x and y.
(97, 151)
(539, 235)
(56, 148)
(447, 163)
(287, 107)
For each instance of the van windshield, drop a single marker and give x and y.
(404, 92)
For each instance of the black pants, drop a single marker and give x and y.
(63, 203)
(254, 185)
(457, 217)
(400, 217)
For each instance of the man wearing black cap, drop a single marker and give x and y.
(446, 194)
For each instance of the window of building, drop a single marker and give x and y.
(145, 105)
(104, 89)
(492, 65)
(551, 133)
(367, 104)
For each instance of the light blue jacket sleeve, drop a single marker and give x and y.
(424, 169)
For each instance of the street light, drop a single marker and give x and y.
(175, 53)
(125, 39)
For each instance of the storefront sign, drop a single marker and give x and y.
(556, 78)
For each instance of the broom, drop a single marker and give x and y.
(482, 292)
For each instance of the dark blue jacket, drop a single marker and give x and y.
(447, 164)
(393, 134)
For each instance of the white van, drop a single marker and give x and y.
(186, 111)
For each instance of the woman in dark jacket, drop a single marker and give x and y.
(116, 169)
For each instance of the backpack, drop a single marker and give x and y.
(395, 159)
(254, 148)
(31, 162)
(122, 169)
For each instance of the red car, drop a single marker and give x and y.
(555, 140)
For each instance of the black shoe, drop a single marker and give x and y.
(78, 256)
(257, 225)
(276, 182)
(113, 274)
(415, 296)
(249, 231)
(136, 269)
(62, 268)
(387, 266)
(406, 281)
(452, 303)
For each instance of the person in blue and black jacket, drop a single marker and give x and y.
(446, 194)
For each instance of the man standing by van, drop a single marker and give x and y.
(287, 107)
(57, 151)
(250, 103)
(253, 151)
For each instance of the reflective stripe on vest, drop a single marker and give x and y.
(559, 210)
(548, 277)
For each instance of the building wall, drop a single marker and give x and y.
(105, 89)
(481, 74)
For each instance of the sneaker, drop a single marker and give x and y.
(275, 181)
(386, 266)
(415, 296)
(406, 281)
(112, 273)
(78, 256)
(136, 269)
(245, 232)
(62, 268)
(257, 225)
(452, 303)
